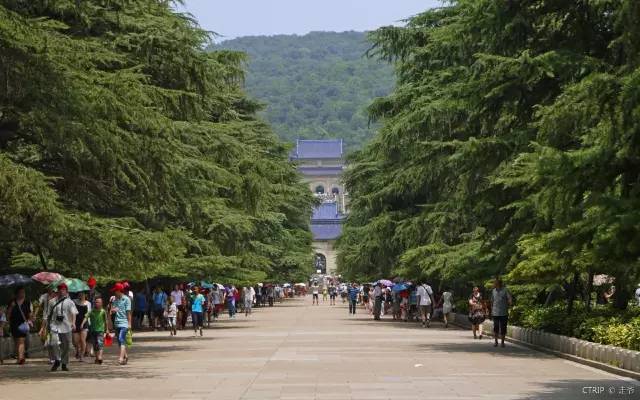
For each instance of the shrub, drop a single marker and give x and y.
(618, 333)
(603, 324)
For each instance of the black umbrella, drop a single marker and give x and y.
(14, 280)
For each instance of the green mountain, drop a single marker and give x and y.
(317, 85)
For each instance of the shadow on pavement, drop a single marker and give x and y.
(574, 389)
(485, 347)
(145, 347)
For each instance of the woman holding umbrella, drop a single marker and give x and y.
(19, 322)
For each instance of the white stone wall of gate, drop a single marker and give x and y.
(610, 355)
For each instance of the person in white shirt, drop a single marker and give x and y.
(61, 324)
(638, 294)
(178, 298)
(425, 302)
(377, 301)
(249, 296)
(315, 290)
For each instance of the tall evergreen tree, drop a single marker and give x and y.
(150, 151)
(507, 148)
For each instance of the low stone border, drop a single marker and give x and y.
(613, 359)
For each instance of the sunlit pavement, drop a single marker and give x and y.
(299, 351)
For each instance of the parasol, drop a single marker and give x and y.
(14, 280)
(74, 285)
(399, 287)
(46, 277)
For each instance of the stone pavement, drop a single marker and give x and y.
(298, 351)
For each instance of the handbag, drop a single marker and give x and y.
(24, 327)
(129, 339)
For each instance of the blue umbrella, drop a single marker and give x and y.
(206, 285)
(399, 287)
(14, 280)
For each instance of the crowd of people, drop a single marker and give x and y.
(86, 321)
(407, 301)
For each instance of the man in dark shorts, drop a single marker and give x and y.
(501, 300)
(333, 293)
(315, 290)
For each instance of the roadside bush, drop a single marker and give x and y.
(617, 333)
(603, 324)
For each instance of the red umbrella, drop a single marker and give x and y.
(47, 277)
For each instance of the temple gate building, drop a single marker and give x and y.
(321, 163)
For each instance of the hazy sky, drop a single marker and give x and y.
(233, 18)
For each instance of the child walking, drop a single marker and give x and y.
(97, 329)
(172, 316)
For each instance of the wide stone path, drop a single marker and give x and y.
(297, 351)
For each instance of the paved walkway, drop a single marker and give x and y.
(297, 351)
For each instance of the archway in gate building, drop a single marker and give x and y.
(320, 263)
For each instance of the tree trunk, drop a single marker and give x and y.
(587, 297)
(622, 295)
(571, 295)
(43, 261)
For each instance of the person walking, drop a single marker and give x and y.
(81, 326)
(366, 290)
(20, 323)
(159, 303)
(447, 306)
(61, 321)
(97, 329)
(249, 296)
(425, 303)
(178, 300)
(172, 316)
(333, 293)
(476, 312)
(121, 311)
(638, 294)
(140, 307)
(46, 301)
(325, 293)
(231, 302)
(377, 301)
(501, 300)
(315, 291)
(258, 290)
(353, 298)
(216, 300)
(197, 310)
(271, 295)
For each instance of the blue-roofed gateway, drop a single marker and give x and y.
(321, 162)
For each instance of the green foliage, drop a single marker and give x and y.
(620, 334)
(128, 151)
(315, 86)
(603, 324)
(510, 146)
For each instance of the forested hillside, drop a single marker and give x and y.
(509, 147)
(129, 152)
(317, 85)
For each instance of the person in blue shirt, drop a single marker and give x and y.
(139, 308)
(197, 310)
(120, 308)
(159, 303)
(353, 298)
